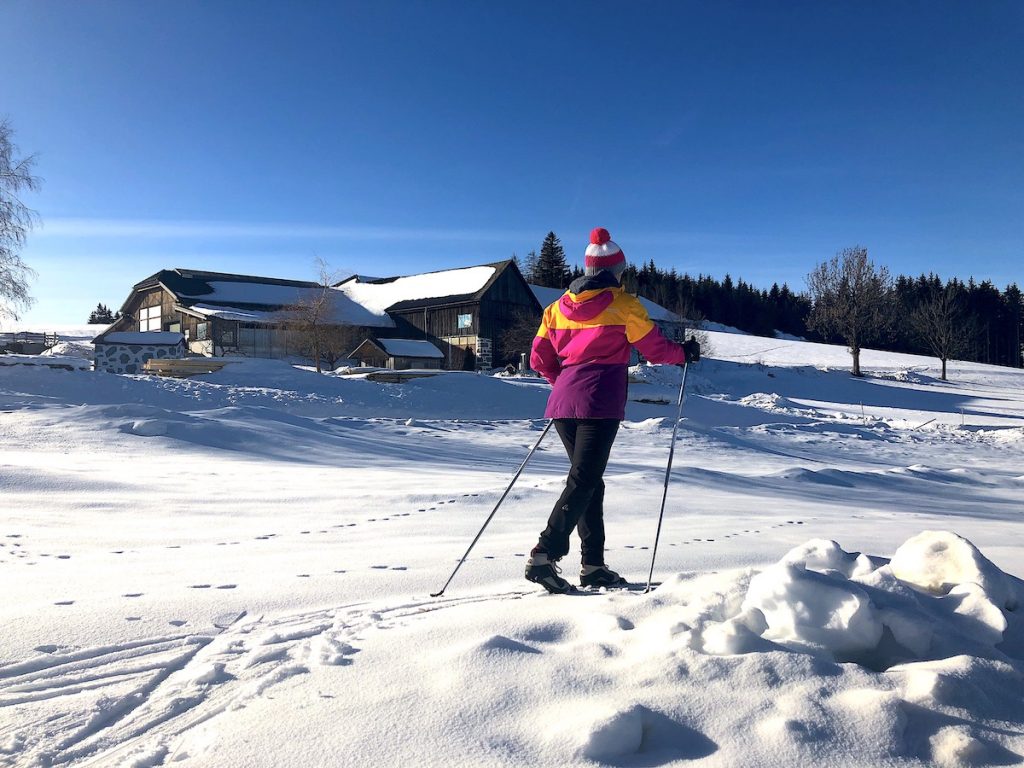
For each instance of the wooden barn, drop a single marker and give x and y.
(220, 313)
(463, 312)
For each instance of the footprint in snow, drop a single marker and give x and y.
(177, 622)
(63, 557)
(339, 571)
(65, 602)
(380, 567)
(133, 594)
(226, 586)
(302, 575)
(400, 568)
(199, 586)
(46, 648)
(133, 618)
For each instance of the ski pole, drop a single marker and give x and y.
(488, 520)
(668, 471)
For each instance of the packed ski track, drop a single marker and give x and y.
(234, 569)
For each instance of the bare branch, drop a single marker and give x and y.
(16, 220)
(320, 335)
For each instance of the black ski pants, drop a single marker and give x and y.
(581, 505)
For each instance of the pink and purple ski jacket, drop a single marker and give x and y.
(582, 348)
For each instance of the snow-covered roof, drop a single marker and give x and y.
(377, 296)
(141, 337)
(548, 296)
(409, 348)
(239, 301)
(251, 298)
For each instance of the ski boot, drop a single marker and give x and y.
(545, 572)
(600, 576)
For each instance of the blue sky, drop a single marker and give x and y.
(751, 138)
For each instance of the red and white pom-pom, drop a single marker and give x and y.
(599, 236)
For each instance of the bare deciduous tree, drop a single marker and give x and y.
(312, 319)
(16, 219)
(941, 322)
(517, 337)
(851, 298)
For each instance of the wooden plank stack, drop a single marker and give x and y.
(181, 369)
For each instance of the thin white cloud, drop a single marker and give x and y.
(164, 229)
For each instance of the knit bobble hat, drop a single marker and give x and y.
(602, 253)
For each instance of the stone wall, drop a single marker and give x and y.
(129, 358)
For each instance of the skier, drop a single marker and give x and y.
(582, 348)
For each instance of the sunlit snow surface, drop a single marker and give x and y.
(234, 570)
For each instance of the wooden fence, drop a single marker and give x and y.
(16, 340)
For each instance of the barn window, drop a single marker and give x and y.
(465, 321)
(202, 331)
(149, 319)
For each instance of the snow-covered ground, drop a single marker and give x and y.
(234, 570)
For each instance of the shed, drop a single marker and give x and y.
(128, 351)
(398, 354)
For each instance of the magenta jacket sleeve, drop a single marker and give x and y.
(544, 360)
(657, 349)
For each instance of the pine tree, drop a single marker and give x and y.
(551, 270)
(101, 315)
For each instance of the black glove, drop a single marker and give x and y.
(692, 350)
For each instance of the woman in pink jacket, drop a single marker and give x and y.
(582, 348)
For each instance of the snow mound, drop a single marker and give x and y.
(942, 563)
(81, 349)
(603, 732)
(938, 597)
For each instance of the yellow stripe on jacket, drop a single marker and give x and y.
(624, 311)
